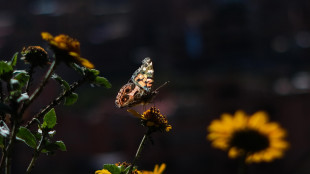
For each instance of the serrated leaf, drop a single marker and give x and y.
(113, 168)
(27, 137)
(14, 59)
(61, 81)
(102, 81)
(4, 129)
(71, 99)
(49, 120)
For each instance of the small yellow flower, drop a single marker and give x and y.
(35, 55)
(157, 169)
(251, 136)
(103, 171)
(152, 118)
(66, 48)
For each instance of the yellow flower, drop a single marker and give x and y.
(157, 169)
(103, 171)
(153, 119)
(253, 137)
(66, 48)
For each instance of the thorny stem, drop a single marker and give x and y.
(56, 101)
(142, 143)
(36, 155)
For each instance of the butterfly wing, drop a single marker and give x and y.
(143, 76)
(129, 95)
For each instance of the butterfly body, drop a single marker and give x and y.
(138, 89)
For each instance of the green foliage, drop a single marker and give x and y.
(51, 147)
(102, 81)
(62, 82)
(14, 60)
(4, 129)
(49, 120)
(71, 99)
(22, 77)
(114, 169)
(27, 137)
(6, 71)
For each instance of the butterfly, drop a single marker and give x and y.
(138, 90)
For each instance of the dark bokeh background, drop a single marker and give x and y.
(219, 56)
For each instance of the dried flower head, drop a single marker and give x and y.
(66, 49)
(153, 119)
(35, 55)
(252, 137)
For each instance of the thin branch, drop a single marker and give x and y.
(36, 154)
(56, 101)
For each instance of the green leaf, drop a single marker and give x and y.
(61, 145)
(63, 83)
(101, 81)
(4, 129)
(22, 77)
(6, 70)
(27, 137)
(51, 147)
(49, 120)
(22, 97)
(71, 99)
(113, 168)
(14, 60)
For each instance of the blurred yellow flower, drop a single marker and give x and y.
(253, 137)
(157, 169)
(103, 171)
(67, 47)
(152, 118)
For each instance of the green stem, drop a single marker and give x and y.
(30, 72)
(35, 155)
(142, 143)
(40, 88)
(9, 148)
(56, 101)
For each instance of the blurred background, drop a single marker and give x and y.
(219, 56)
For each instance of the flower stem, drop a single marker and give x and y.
(56, 101)
(142, 143)
(242, 165)
(35, 155)
(9, 148)
(40, 88)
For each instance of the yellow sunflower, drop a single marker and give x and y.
(66, 49)
(152, 118)
(252, 137)
(157, 169)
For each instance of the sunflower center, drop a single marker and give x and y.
(249, 140)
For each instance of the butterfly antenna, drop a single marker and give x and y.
(162, 85)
